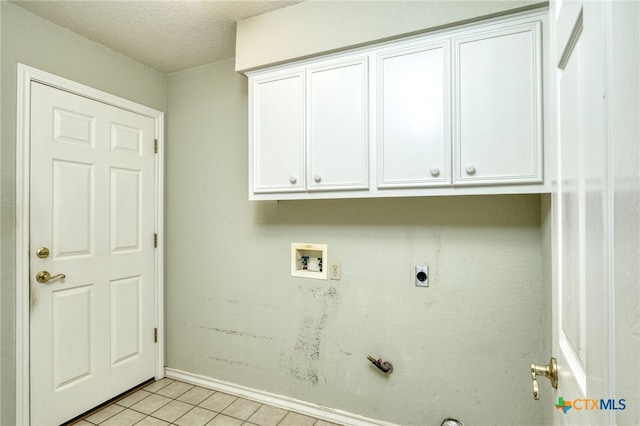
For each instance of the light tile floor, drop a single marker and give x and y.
(171, 402)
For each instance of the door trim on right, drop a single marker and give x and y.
(26, 75)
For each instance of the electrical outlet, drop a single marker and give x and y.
(422, 276)
(335, 270)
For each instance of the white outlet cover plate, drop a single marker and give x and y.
(335, 270)
(421, 283)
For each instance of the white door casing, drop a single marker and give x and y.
(92, 332)
(582, 231)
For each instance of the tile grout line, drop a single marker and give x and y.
(130, 408)
(191, 406)
(110, 404)
(191, 409)
(171, 400)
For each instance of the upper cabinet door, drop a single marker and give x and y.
(498, 106)
(277, 133)
(337, 120)
(414, 116)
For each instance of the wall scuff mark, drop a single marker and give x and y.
(233, 332)
(303, 362)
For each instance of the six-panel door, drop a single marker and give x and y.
(92, 207)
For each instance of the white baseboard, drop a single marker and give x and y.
(290, 404)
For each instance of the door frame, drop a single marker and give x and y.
(27, 75)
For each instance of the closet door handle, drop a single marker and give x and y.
(549, 371)
(44, 277)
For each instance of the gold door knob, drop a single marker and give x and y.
(42, 252)
(44, 277)
(549, 371)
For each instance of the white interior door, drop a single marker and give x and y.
(92, 208)
(582, 208)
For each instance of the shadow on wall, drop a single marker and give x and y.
(502, 211)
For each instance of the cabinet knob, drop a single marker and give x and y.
(470, 169)
(293, 179)
(435, 171)
(317, 178)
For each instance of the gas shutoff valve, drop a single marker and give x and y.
(383, 366)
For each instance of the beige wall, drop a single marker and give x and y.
(313, 27)
(32, 41)
(460, 348)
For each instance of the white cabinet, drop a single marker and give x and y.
(337, 121)
(309, 129)
(454, 112)
(498, 113)
(277, 156)
(413, 116)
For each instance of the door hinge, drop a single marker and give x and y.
(155, 240)
(155, 335)
(155, 146)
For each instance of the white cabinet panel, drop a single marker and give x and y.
(337, 126)
(414, 116)
(277, 132)
(498, 93)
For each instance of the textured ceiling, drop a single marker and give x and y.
(167, 35)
